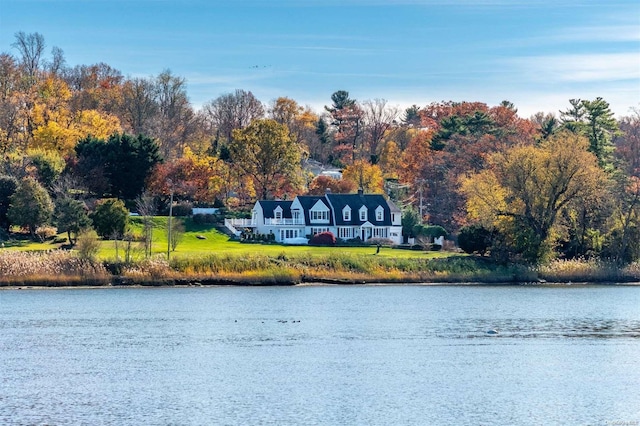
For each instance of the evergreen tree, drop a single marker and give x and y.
(71, 217)
(30, 206)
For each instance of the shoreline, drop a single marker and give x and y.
(212, 283)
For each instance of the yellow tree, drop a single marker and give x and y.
(524, 189)
(390, 158)
(365, 176)
(265, 151)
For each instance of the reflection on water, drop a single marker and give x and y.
(321, 355)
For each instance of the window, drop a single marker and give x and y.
(319, 215)
(288, 233)
(363, 213)
(346, 214)
(380, 232)
(277, 212)
(315, 231)
(291, 233)
(379, 214)
(346, 233)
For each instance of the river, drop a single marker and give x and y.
(321, 355)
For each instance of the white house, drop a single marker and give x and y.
(347, 216)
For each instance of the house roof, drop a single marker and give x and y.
(268, 208)
(355, 202)
(308, 201)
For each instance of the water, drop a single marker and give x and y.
(362, 355)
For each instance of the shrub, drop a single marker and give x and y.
(474, 239)
(182, 209)
(323, 239)
(46, 232)
(109, 217)
(202, 219)
(88, 245)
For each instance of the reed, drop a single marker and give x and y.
(49, 268)
(587, 270)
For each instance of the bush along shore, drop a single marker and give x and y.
(62, 268)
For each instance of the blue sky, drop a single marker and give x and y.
(537, 54)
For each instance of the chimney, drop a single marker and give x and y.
(360, 191)
(327, 190)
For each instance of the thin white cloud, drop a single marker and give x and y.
(604, 33)
(581, 67)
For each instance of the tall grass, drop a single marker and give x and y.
(58, 268)
(348, 267)
(587, 270)
(49, 268)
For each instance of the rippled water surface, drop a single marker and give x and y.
(363, 355)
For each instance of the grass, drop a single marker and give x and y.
(215, 242)
(206, 255)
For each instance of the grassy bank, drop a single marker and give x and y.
(206, 256)
(63, 268)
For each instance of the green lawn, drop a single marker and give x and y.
(215, 242)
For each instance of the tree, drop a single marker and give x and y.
(193, 177)
(348, 121)
(146, 209)
(595, 120)
(301, 122)
(265, 151)
(31, 47)
(378, 118)
(601, 127)
(365, 176)
(30, 206)
(176, 122)
(524, 190)
(411, 116)
(97, 87)
(389, 160)
(130, 161)
(627, 143)
(177, 233)
(410, 219)
(48, 166)
(474, 239)
(120, 166)
(320, 184)
(110, 217)
(623, 244)
(232, 111)
(140, 106)
(71, 217)
(8, 186)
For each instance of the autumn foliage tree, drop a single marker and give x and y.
(321, 184)
(265, 151)
(523, 190)
(364, 175)
(193, 177)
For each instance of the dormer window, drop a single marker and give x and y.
(346, 214)
(379, 214)
(319, 213)
(363, 214)
(278, 213)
